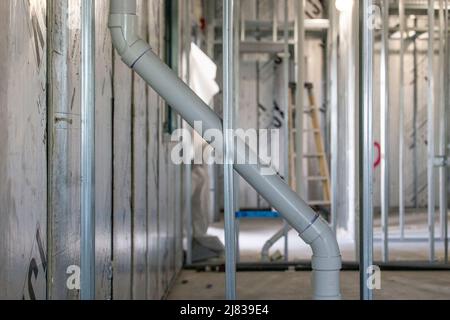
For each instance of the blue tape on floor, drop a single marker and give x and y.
(257, 214)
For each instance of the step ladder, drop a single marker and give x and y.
(320, 156)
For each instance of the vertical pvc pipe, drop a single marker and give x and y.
(431, 144)
(188, 166)
(228, 126)
(366, 147)
(401, 144)
(87, 254)
(385, 116)
(300, 96)
(333, 98)
(287, 116)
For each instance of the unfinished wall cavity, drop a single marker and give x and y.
(23, 148)
(138, 216)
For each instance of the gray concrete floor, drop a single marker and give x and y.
(296, 285)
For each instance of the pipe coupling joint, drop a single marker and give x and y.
(124, 38)
(326, 264)
(326, 253)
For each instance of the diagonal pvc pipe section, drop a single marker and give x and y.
(137, 54)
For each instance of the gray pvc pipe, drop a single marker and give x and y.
(123, 7)
(311, 227)
(265, 257)
(191, 108)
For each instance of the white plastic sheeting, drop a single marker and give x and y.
(203, 72)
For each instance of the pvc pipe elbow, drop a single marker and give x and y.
(265, 251)
(326, 261)
(265, 257)
(323, 242)
(124, 38)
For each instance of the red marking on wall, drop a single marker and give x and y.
(378, 158)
